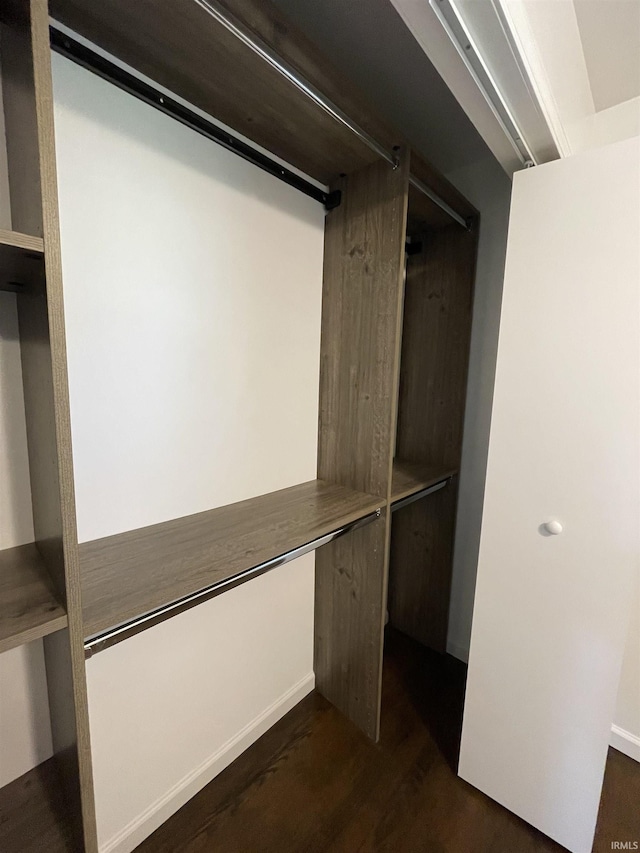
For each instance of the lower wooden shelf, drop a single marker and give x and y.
(20, 259)
(138, 572)
(33, 814)
(28, 606)
(410, 477)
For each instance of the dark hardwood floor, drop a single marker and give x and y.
(314, 783)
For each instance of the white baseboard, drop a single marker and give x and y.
(625, 742)
(157, 813)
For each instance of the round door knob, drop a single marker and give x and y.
(553, 527)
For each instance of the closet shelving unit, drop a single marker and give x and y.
(51, 807)
(392, 382)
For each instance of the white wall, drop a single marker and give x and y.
(25, 731)
(193, 300)
(172, 707)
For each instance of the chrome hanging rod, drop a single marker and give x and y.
(423, 188)
(118, 633)
(418, 495)
(219, 13)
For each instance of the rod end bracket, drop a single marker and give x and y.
(332, 200)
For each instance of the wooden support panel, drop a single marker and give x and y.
(435, 347)
(361, 312)
(34, 815)
(29, 608)
(349, 620)
(133, 573)
(361, 315)
(420, 575)
(28, 107)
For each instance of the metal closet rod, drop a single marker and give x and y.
(105, 639)
(416, 496)
(222, 15)
(423, 188)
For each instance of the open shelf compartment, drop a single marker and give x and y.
(28, 606)
(21, 260)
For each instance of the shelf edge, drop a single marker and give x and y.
(129, 628)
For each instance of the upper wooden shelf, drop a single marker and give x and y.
(409, 478)
(134, 573)
(184, 49)
(20, 259)
(28, 606)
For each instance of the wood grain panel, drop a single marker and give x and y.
(22, 242)
(421, 561)
(409, 478)
(29, 608)
(34, 813)
(432, 394)
(349, 619)
(361, 311)
(34, 210)
(129, 574)
(361, 318)
(21, 122)
(435, 347)
(180, 46)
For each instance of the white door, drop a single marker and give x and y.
(551, 611)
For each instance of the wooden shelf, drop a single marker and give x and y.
(409, 478)
(133, 573)
(33, 813)
(28, 606)
(20, 259)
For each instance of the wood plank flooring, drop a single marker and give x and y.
(34, 817)
(315, 783)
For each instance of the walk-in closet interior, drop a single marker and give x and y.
(241, 308)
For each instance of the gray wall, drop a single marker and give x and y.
(368, 42)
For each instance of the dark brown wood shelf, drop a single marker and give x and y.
(133, 573)
(34, 813)
(409, 478)
(28, 606)
(20, 259)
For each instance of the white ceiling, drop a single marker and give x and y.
(610, 35)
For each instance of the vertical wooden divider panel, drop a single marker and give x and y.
(421, 562)
(361, 315)
(435, 347)
(34, 206)
(433, 383)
